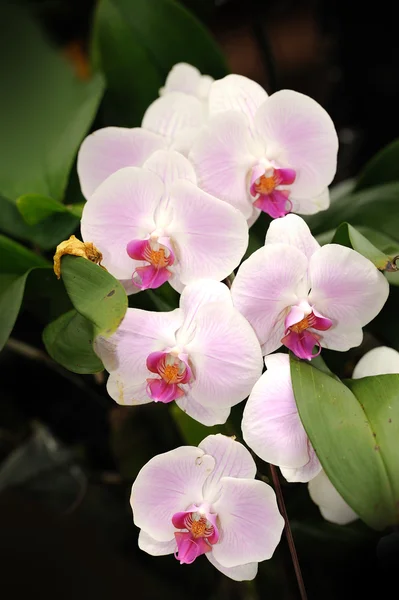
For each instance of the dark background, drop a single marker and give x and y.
(69, 454)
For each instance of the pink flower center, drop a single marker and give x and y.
(172, 371)
(267, 191)
(297, 336)
(159, 257)
(200, 534)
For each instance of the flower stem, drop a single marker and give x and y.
(288, 532)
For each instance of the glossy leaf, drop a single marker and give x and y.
(346, 235)
(137, 42)
(356, 443)
(382, 168)
(35, 208)
(69, 341)
(45, 110)
(94, 293)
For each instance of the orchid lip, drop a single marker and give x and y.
(159, 257)
(199, 535)
(172, 371)
(266, 189)
(297, 336)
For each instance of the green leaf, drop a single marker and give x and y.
(190, 430)
(69, 341)
(94, 293)
(382, 168)
(45, 110)
(136, 43)
(354, 429)
(35, 208)
(348, 236)
(376, 208)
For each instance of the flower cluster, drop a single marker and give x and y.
(171, 201)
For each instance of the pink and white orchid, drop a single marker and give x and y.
(193, 501)
(275, 154)
(171, 121)
(153, 224)
(301, 295)
(204, 355)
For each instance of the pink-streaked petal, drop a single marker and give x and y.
(182, 78)
(241, 573)
(347, 288)
(121, 209)
(225, 354)
(266, 287)
(196, 295)
(168, 483)
(292, 230)
(107, 150)
(342, 336)
(250, 522)
(232, 460)
(271, 425)
(299, 135)
(306, 206)
(207, 415)
(332, 506)
(305, 473)
(210, 236)
(222, 157)
(170, 166)
(378, 361)
(155, 548)
(125, 353)
(236, 92)
(173, 113)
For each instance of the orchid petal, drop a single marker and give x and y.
(292, 230)
(173, 113)
(125, 353)
(222, 156)
(170, 166)
(332, 506)
(241, 573)
(207, 415)
(155, 548)
(121, 209)
(305, 473)
(209, 235)
(266, 287)
(301, 135)
(168, 483)
(232, 460)
(236, 92)
(348, 289)
(225, 354)
(250, 522)
(378, 361)
(196, 295)
(107, 150)
(271, 425)
(306, 206)
(182, 78)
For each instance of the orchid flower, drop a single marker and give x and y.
(153, 224)
(275, 154)
(301, 295)
(193, 501)
(379, 361)
(204, 355)
(171, 121)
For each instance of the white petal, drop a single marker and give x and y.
(379, 361)
(305, 473)
(167, 484)
(170, 166)
(241, 573)
(182, 78)
(306, 206)
(155, 548)
(236, 92)
(207, 415)
(292, 230)
(173, 113)
(332, 506)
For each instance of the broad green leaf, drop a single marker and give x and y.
(346, 235)
(356, 443)
(47, 234)
(35, 208)
(45, 110)
(137, 42)
(382, 168)
(376, 208)
(94, 293)
(69, 341)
